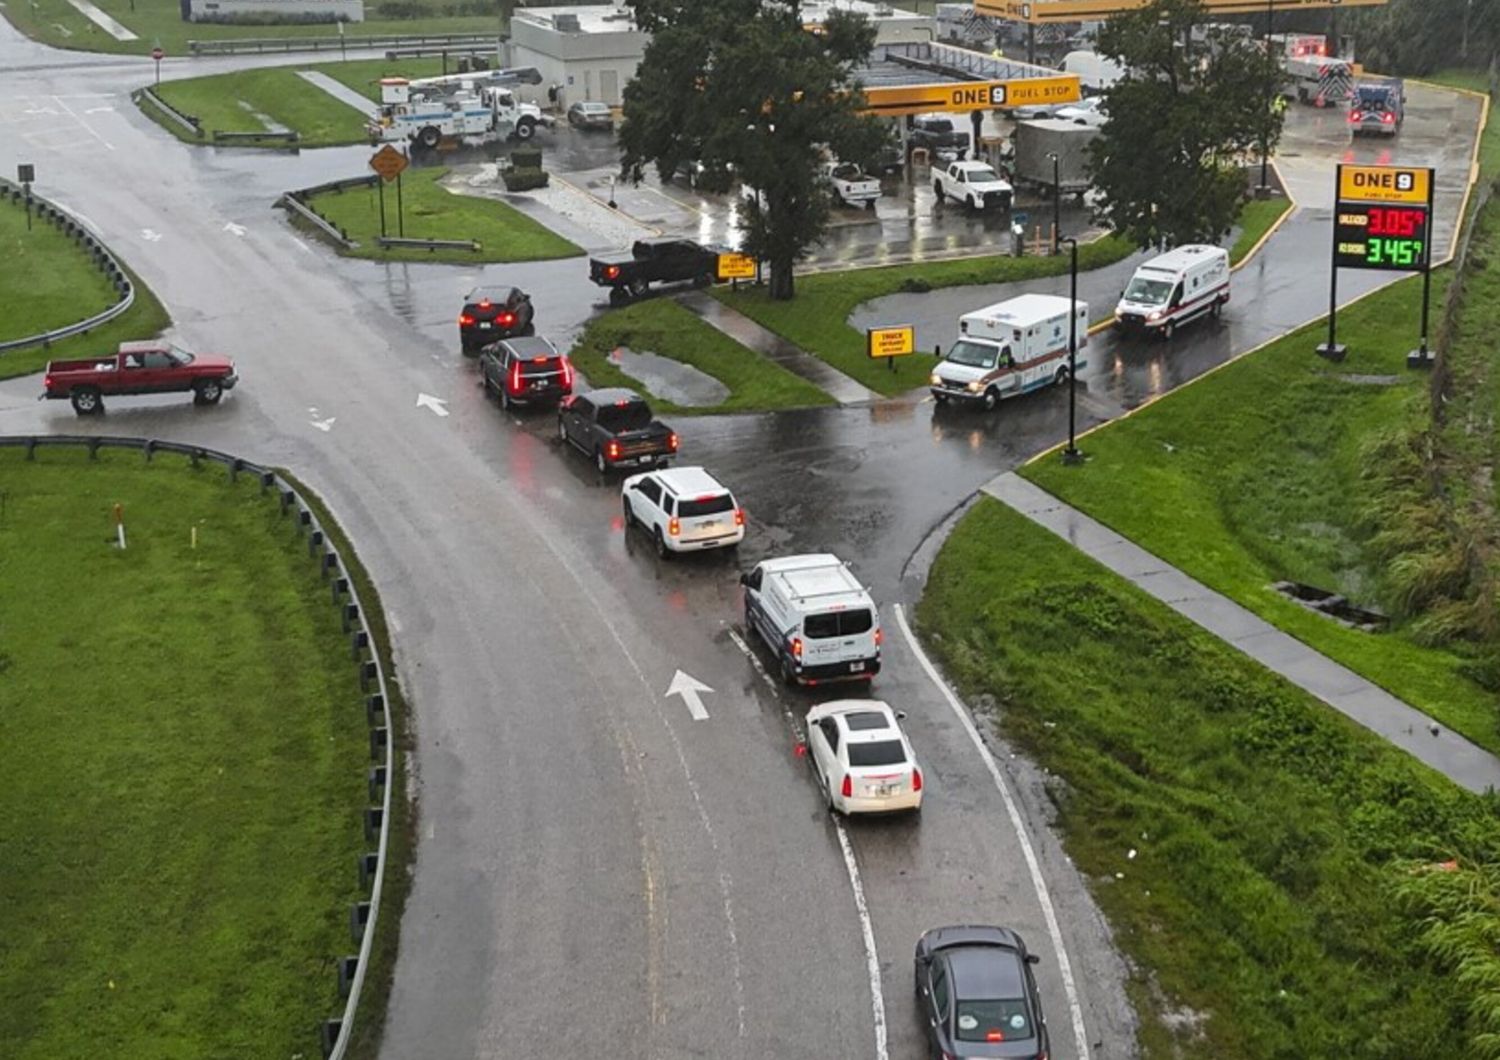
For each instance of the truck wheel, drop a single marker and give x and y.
(788, 674)
(618, 296)
(629, 514)
(505, 401)
(991, 399)
(429, 137)
(600, 462)
(1061, 378)
(208, 392)
(525, 129)
(562, 431)
(86, 401)
(638, 288)
(662, 551)
(1168, 330)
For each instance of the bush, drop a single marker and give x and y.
(518, 179)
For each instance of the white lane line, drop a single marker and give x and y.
(78, 118)
(1064, 966)
(867, 930)
(861, 907)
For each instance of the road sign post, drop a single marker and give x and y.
(388, 164)
(26, 173)
(157, 55)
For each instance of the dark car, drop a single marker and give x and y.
(616, 427)
(977, 996)
(525, 371)
(631, 273)
(591, 115)
(492, 313)
(938, 134)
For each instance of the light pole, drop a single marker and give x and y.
(1264, 191)
(1071, 455)
(1056, 202)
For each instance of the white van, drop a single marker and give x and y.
(1170, 290)
(815, 615)
(1010, 348)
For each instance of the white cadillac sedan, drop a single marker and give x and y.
(862, 758)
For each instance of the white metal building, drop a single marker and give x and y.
(208, 10)
(590, 51)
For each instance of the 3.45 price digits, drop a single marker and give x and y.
(1399, 222)
(1406, 252)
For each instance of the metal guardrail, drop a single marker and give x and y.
(366, 181)
(223, 136)
(334, 1034)
(337, 42)
(187, 121)
(428, 244)
(422, 51)
(290, 201)
(53, 214)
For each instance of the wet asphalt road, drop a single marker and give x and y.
(595, 870)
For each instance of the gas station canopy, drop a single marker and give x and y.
(919, 78)
(1040, 11)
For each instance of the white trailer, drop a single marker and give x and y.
(1011, 348)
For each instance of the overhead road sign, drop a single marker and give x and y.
(920, 78)
(1042, 11)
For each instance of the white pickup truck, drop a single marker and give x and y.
(975, 184)
(851, 185)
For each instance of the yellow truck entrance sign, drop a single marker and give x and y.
(1384, 184)
(736, 267)
(972, 95)
(892, 342)
(1039, 11)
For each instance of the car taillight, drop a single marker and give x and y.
(613, 450)
(672, 441)
(848, 788)
(739, 517)
(916, 779)
(879, 637)
(507, 319)
(612, 271)
(1355, 115)
(465, 320)
(567, 371)
(1387, 117)
(796, 647)
(47, 381)
(674, 526)
(515, 378)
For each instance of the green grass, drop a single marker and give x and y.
(364, 75)
(57, 23)
(664, 327)
(1256, 219)
(817, 319)
(1476, 81)
(504, 233)
(180, 819)
(1269, 831)
(48, 281)
(259, 101)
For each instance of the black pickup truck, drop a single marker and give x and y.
(629, 275)
(938, 134)
(615, 427)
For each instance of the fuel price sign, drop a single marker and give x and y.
(1381, 237)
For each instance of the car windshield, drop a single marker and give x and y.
(973, 354)
(877, 753)
(983, 175)
(1148, 292)
(991, 1021)
(181, 356)
(628, 416)
(837, 624)
(1372, 98)
(705, 506)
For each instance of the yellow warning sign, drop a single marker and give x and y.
(736, 267)
(1410, 184)
(892, 342)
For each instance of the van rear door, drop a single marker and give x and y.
(845, 634)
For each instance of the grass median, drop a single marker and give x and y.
(1253, 851)
(663, 327)
(181, 822)
(1257, 217)
(432, 212)
(817, 319)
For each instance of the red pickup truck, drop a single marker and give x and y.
(139, 368)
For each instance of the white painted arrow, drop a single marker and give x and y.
(436, 404)
(688, 687)
(234, 229)
(150, 235)
(324, 425)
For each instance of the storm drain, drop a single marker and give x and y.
(1335, 606)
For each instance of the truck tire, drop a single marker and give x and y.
(629, 514)
(207, 392)
(973, 204)
(86, 401)
(1168, 330)
(1061, 378)
(599, 462)
(429, 137)
(525, 129)
(562, 430)
(618, 296)
(638, 288)
(937, 189)
(991, 399)
(788, 673)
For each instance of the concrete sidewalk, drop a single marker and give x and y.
(338, 90)
(1341, 688)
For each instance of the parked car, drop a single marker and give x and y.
(850, 185)
(813, 613)
(615, 427)
(591, 114)
(1091, 111)
(666, 260)
(976, 994)
(862, 759)
(975, 184)
(1033, 111)
(938, 134)
(494, 312)
(683, 509)
(139, 368)
(525, 371)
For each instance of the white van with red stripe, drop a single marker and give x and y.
(1168, 291)
(1011, 348)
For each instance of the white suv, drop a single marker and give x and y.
(684, 509)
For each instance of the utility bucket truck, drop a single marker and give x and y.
(471, 108)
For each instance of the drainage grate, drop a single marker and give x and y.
(1333, 605)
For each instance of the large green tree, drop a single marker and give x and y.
(741, 84)
(1419, 36)
(1191, 110)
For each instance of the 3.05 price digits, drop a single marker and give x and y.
(1399, 222)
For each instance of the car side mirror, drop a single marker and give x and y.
(744, 578)
(900, 715)
(1032, 958)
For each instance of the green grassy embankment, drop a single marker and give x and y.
(180, 824)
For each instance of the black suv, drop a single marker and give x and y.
(492, 313)
(525, 371)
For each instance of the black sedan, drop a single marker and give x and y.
(492, 313)
(976, 993)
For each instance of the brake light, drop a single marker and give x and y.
(796, 647)
(484, 303)
(515, 378)
(507, 319)
(612, 271)
(879, 637)
(622, 404)
(739, 517)
(567, 370)
(539, 360)
(465, 320)
(848, 789)
(672, 441)
(613, 450)
(1355, 115)
(916, 779)
(47, 381)
(994, 1036)
(674, 527)
(1387, 117)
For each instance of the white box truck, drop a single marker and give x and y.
(1010, 348)
(1176, 287)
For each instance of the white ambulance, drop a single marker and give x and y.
(1010, 348)
(1168, 291)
